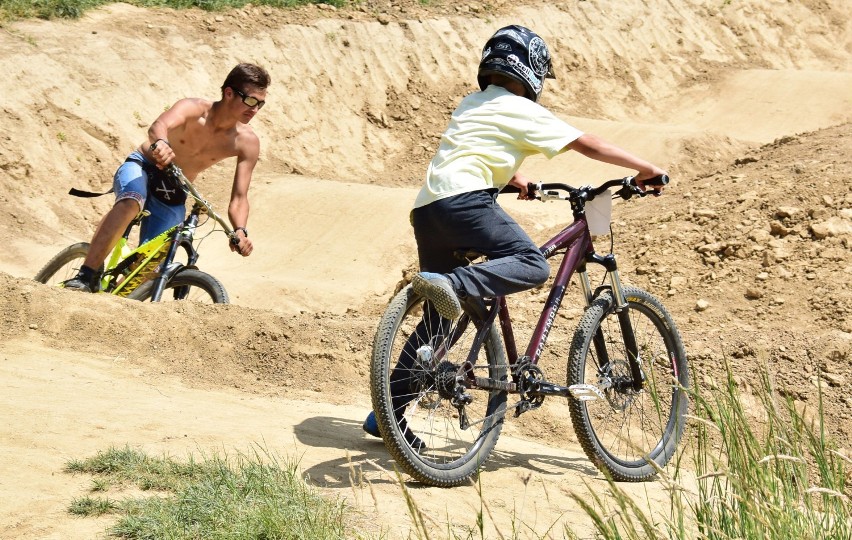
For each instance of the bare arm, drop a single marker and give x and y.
(598, 149)
(176, 117)
(248, 148)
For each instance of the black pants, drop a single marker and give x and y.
(474, 221)
(467, 222)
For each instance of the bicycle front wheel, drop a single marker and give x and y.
(622, 429)
(64, 265)
(438, 427)
(188, 285)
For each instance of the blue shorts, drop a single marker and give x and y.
(131, 182)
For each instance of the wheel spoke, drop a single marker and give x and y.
(421, 393)
(621, 432)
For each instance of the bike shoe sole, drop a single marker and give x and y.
(439, 292)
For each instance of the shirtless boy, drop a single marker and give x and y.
(195, 134)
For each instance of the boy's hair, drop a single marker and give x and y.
(499, 79)
(247, 74)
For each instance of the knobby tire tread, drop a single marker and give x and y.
(382, 364)
(67, 255)
(187, 277)
(641, 304)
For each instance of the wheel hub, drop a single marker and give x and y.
(618, 385)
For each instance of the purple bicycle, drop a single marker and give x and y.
(440, 388)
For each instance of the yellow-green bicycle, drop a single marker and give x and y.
(151, 271)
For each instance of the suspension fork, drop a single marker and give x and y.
(622, 311)
(167, 272)
(161, 280)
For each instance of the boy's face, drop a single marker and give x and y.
(247, 101)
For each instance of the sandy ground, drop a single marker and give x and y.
(747, 105)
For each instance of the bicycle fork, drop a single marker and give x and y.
(587, 392)
(168, 268)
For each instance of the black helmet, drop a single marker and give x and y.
(519, 53)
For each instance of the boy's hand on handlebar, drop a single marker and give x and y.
(162, 153)
(655, 188)
(521, 182)
(244, 246)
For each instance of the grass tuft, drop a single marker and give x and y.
(92, 506)
(772, 476)
(242, 497)
(74, 9)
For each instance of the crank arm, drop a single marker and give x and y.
(544, 388)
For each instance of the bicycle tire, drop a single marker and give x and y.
(622, 432)
(64, 265)
(187, 285)
(454, 453)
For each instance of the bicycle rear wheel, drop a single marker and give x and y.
(416, 361)
(188, 285)
(622, 429)
(64, 265)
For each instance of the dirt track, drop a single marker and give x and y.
(747, 105)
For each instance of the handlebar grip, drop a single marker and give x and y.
(532, 187)
(659, 180)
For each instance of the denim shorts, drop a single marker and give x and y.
(131, 182)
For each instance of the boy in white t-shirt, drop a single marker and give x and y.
(489, 136)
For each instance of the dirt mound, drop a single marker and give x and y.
(758, 260)
(223, 345)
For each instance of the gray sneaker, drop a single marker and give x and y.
(77, 284)
(438, 289)
(86, 280)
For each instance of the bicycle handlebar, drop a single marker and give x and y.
(628, 188)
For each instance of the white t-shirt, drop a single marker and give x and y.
(489, 136)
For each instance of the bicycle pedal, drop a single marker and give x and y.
(585, 392)
(521, 407)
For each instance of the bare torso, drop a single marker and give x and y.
(203, 138)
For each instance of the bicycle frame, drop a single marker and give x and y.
(155, 258)
(576, 240)
(152, 260)
(579, 252)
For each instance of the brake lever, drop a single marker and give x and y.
(659, 180)
(628, 190)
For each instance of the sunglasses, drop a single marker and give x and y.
(250, 101)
